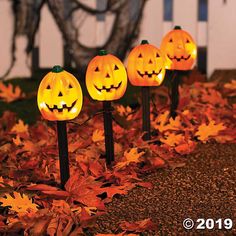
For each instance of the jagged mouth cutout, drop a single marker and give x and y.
(55, 107)
(179, 58)
(149, 74)
(108, 89)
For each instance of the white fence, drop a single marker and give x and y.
(218, 34)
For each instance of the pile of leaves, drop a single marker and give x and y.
(32, 202)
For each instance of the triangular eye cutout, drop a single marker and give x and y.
(116, 67)
(171, 41)
(187, 41)
(157, 54)
(96, 69)
(70, 86)
(48, 87)
(140, 55)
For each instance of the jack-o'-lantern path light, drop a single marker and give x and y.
(146, 67)
(106, 80)
(180, 51)
(60, 99)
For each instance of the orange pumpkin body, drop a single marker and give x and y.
(146, 65)
(179, 48)
(59, 95)
(106, 77)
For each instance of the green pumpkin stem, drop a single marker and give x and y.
(102, 52)
(57, 69)
(144, 41)
(177, 27)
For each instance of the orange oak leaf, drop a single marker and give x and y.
(19, 203)
(10, 94)
(205, 131)
(20, 127)
(174, 124)
(131, 156)
(123, 111)
(172, 139)
(98, 136)
(161, 121)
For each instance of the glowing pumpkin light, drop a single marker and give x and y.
(59, 95)
(181, 51)
(60, 99)
(146, 65)
(179, 48)
(106, 77)
(106, 80)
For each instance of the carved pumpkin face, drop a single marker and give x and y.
(106, 77)
(146, 65)
(59, 95)
(179, 48)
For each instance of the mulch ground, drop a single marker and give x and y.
(203, 188)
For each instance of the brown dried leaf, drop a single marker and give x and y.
(138, 226)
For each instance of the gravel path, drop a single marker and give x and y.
(203, 188)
